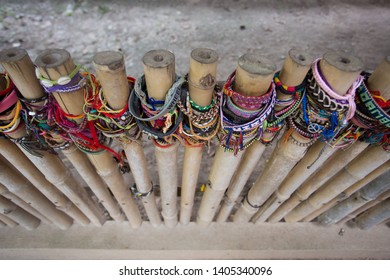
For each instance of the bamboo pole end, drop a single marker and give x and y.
(300, 57)
(158, 58)
(256, 64)
(254, 74)
(204, 55)
(109, 60)
(12, 55)
(343, 61)
(52, 58)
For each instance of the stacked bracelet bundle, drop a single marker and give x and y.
(200, 123)
(324, 113)
(78, 128)
(277, 119)
(10, 106)
(111, 123)
(15, 116)
(158, 119)
(371, 121)
(243, 118)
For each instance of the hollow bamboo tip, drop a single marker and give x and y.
(108, 61)
(159, 68)
(204, 56)
(158, 59)
(340, 70)
(254, 74)
(202, 75)
(54, 63)
(110, 70)
(380, 78)
(12, 55)
(295, 67)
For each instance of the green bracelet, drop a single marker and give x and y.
(201, 108)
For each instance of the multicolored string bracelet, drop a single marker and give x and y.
(200, 124)
(158, 119)
(245, 122)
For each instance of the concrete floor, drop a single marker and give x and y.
(218, 241)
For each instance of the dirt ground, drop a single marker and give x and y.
(231, 27)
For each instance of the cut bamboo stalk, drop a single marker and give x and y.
(254, 74)
(110, 70)
(348, 192)
(374, 216)
(340, 71)
(17, 214)
(201, 83)
(380, 81)
(167, 169)
(57, 174)
(365, 207)
(22, 204)
(16, 157)
(108, 170)
(248, 163)
(315, 157)
(22, 188)
(293, 72)
(8, 221)
(330, 167)
(19, 66)
(360, 167)
(369, 192)
(159, 69)
(84, 167)
(55, 63)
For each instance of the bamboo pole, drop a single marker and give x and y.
(374, 216)
(254, 74)
(201, 83)
(348, 192)
(23, 73)
(17, 214)
(57, 174)
(315, 157)
(22, 188)
(360, 167)
(53, 168)
(365, 207)
(379, 81)
(16, 157)
(293, 72)
(22, 204)
(2, 225)
(110, 70)
(55, 63)
(159, 69)
(340, 71)
(330, 166)
(368, 193)
(8, 221)
(84, 167)
(19, 66)
(108, 170)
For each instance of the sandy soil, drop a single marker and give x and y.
(230, 27)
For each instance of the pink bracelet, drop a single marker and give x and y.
(349, 97)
